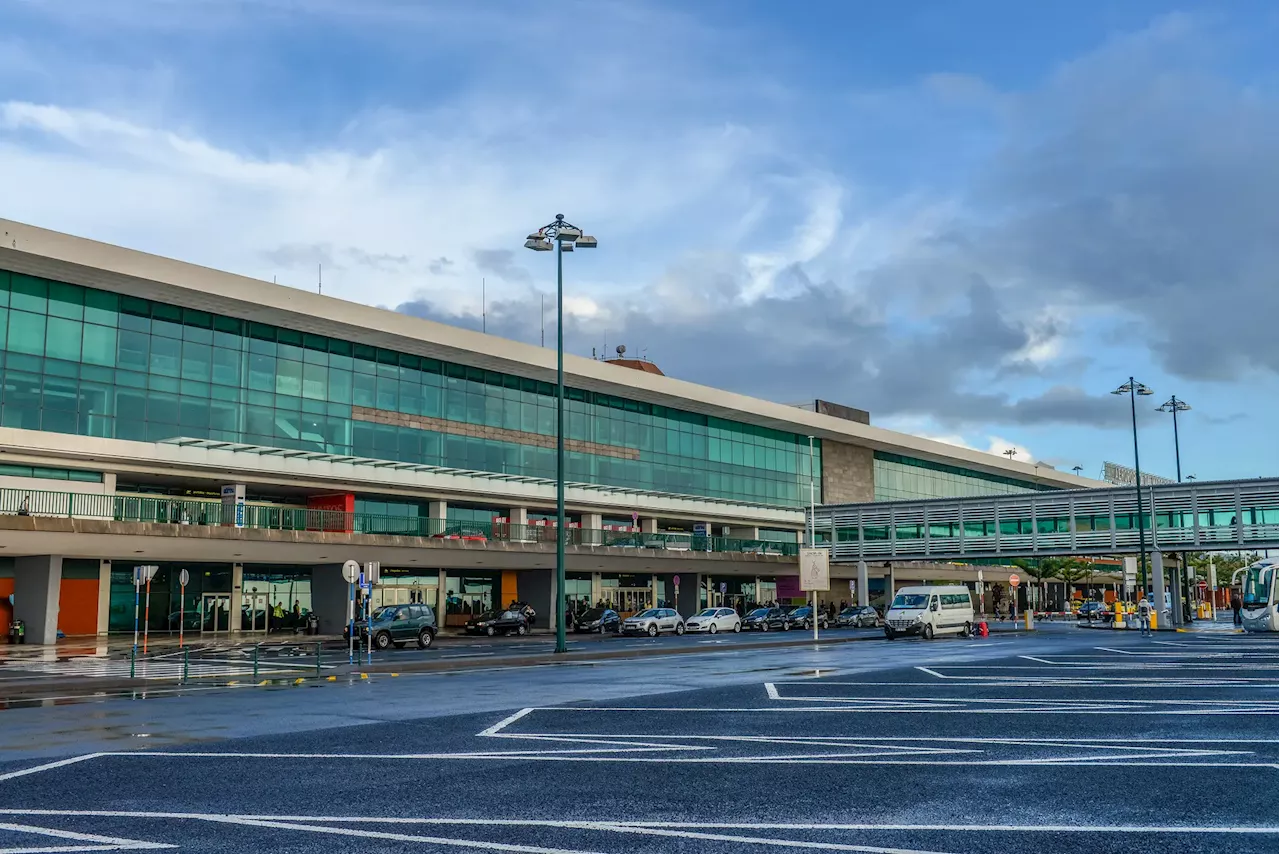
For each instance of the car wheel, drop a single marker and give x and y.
(737, 627)
(601, 629)
(382, 640)
(786, 627)
(489, 631)
(680, 628)
(825, 625)
(805, 625)
(764, 627)
(967, 631)
(928, 633)
(520, 630)
(712, 629)
(653, 631)
(889, 634)
(424, 638)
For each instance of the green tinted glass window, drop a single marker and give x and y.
(26, 332)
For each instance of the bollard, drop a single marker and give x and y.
(255, 661)
(186, 664)
(133, 660)
(317, 659)
(1027, 616)
(1118, 618)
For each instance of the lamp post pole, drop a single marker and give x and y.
(1135, 388)
(1173, 405)
(561, 236)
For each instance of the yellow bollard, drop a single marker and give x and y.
(1026, 615)
(1154, 624)
(1118, 621)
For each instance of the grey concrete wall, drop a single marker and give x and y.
(37, 582)
(537, 587)
(847, 473)
(687, 601)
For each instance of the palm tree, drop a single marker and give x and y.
(1071, 570)
(1041, 570)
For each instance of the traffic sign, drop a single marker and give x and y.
(373, 571)
(853, 587)
(1014, 580)
(1203, 585)
(676, 580)
(184, 577)
(724, 587)
(350, 571)
(815, 569)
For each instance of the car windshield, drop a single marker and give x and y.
(848, 612)
(487, 615)
(758, 612)
(910, 600)
(706, 612)
(652, 612)
(593, 614)
(387, 612)
(802, 612)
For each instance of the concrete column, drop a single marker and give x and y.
(538, 588)
(104, 596)
(863, 593)
(108, 483)
(595, 589)
(237, 597)
(890, 587)
(441, 596)
(437, 511)
(329, 598)
(648, 526)
(1157, 581)
(517, 525)
(687, 600)
(591, 524)
(37, 582)
(745, 533)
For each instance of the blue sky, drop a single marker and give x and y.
(974, 219)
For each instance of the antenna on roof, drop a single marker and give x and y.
(542, 310)
(319, 278)
(484, 323)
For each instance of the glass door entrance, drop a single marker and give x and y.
(254, 612)
(215, 613)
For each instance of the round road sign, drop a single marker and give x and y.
(184, 577)
(1014, 580)
(1204, 585)
(350, 571)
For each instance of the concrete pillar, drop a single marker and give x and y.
(437, 513)
(655, 584)
(1157, 581)
(104, 596)
(744, 533)
(687, 599)
(863, 593)
(538, 588)
(237, 596)
(329, 598)
(591, 525)
(441, 595)
(648, 526)
(37, 582)
(890, 587)
(595, 589)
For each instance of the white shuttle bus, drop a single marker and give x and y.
(1259, 606)
(929, 611)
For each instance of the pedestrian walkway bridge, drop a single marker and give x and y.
(1201, 516)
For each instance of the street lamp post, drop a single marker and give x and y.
(562, 237)
(1133, 388)
(1174, 406)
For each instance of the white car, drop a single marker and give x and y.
(714, 620)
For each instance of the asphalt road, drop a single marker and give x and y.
(1061, 740)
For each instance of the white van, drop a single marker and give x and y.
(929, 611)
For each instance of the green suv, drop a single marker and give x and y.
(399, 624)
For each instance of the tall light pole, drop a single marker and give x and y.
(1133, 388)
(1175, 406)
(813, 533)
(1011, 453)
(562, 237)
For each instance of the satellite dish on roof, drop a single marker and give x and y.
(622, 348)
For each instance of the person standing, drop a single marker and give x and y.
(1144, 615)
(1236, 604)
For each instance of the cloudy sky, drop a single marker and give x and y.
(974, 219)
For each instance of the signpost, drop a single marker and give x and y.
(142, 575)
(351, 573)
(676, 581)
(372, 570)
(815, 575)
(183, 578)
(1014, 581)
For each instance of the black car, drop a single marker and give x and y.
(802, 618)
(598, 620)
(1092, 611)
(497, 622)
(757, 620)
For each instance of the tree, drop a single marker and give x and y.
(1224, 564)
(1041, 570)
(1072, 569)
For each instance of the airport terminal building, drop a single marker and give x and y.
(154, 412)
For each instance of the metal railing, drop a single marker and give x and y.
(181, 511)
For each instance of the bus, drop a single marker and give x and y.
(1260, 608)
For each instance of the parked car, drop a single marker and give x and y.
(398, 624)
(930, 610)
(857, 618)
(803, 618)
(757, 620)
(1092, 611)
(598, 620)
(497, 622)
(653, 622)
(462, 532)
(713, 620)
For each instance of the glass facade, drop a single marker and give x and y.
(93, 363)
(900, 478)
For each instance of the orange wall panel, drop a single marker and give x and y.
(6, 610)
(78, 606)
(509, 589)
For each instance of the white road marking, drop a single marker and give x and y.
(506, 722)
(95, 842)
(48, 766)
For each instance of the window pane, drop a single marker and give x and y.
(226, 367)
(288, 377)
(26, 332)
(165, 356)
(29, 294)
(63, 341)
(101, 307)
(99, 345)
(339, 386)
(196, 361)
(66, 301)
(314, 381)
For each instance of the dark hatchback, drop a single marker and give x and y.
(497, 623)
(599, 620)
(397, 624)
(766, 619)
(1092, 611)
